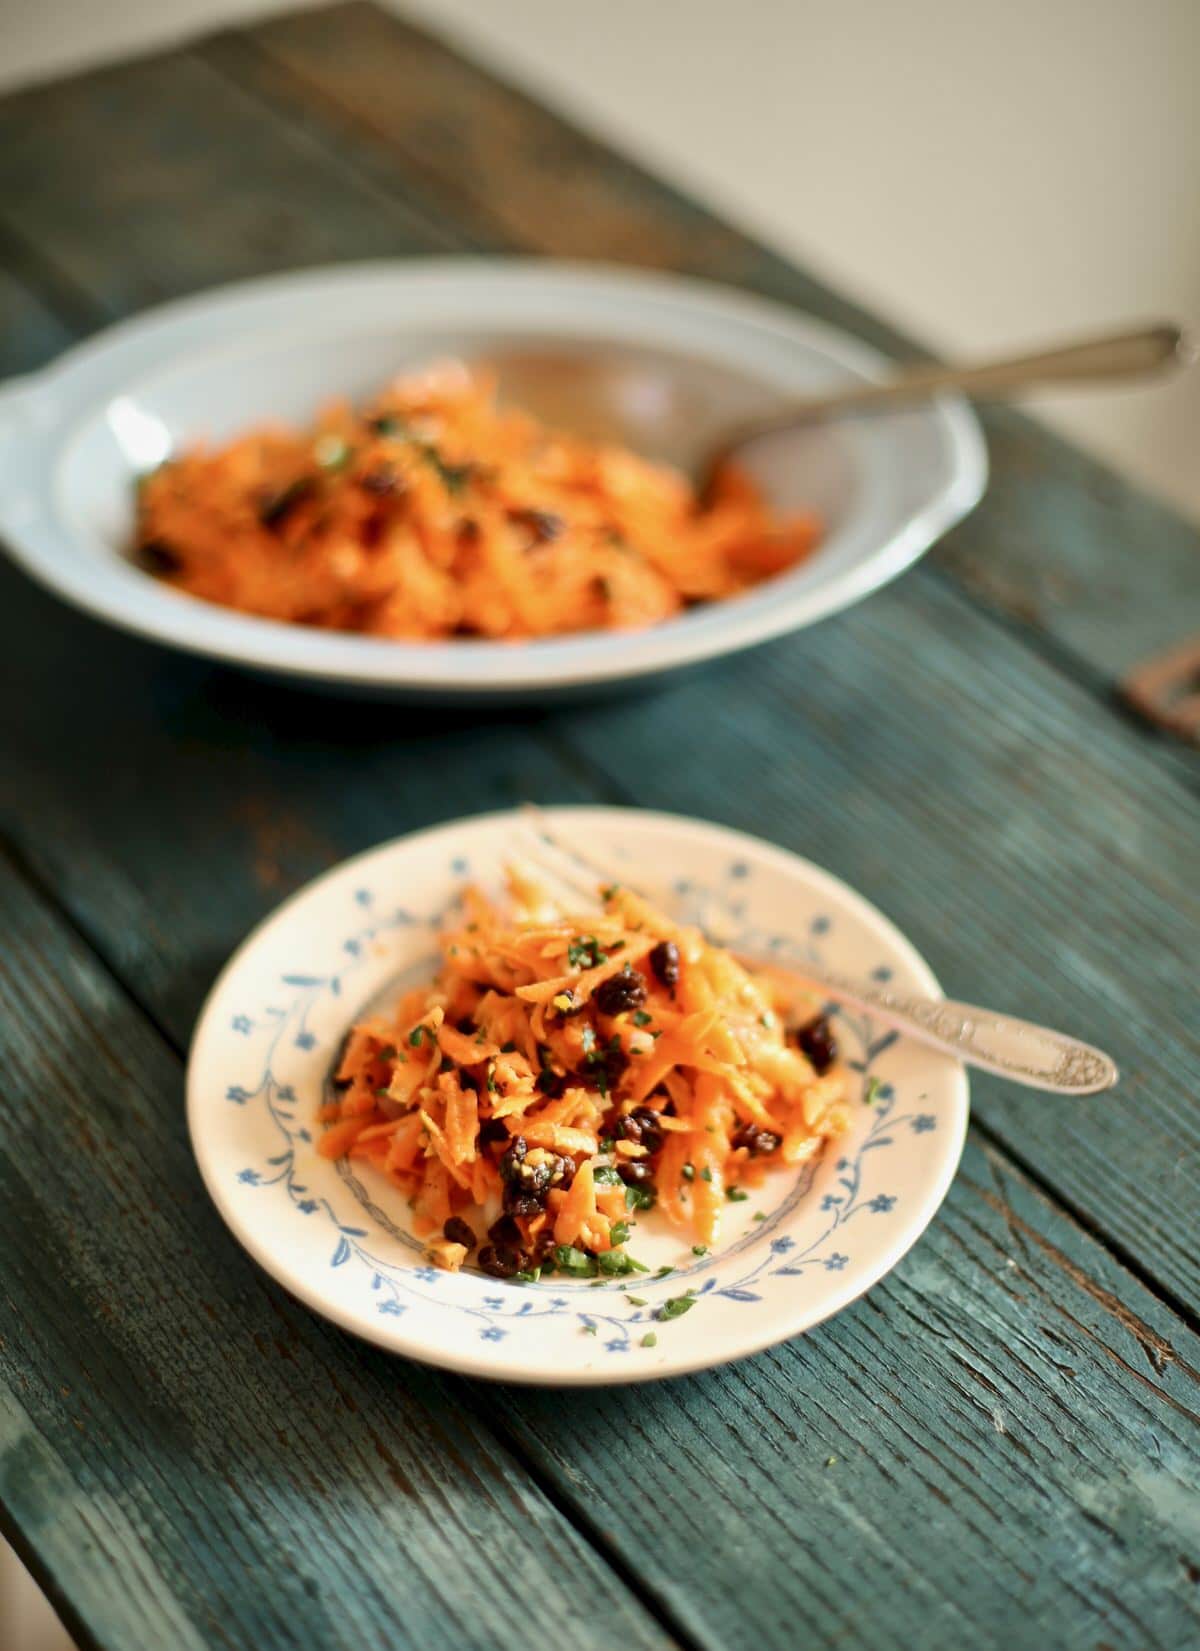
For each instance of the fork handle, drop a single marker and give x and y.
(1019, 1050)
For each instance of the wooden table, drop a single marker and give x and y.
(998, 1446)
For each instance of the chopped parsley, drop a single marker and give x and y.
(616, 1264)
(589, 1329)
(641, 1018)
(649, 1339)
(388, 1052)
(528, 1275)
(706, 1175)
(585, 952)
(331, 452)
(661, 1272)
(636, 1301)
(417, 1033)
(620, 1232)
(735, 1195)
(871, 1093)
(640, 1197)
(491, 1078)
(610, 892)
(576, 1263)
(760, 1215)
(606, 1176)
(699, 1249)
(688, 1172)
(676, 1306)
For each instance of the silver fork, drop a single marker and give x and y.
(1036, 1056)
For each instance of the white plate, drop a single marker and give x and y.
(74, 437)
(338, 1239)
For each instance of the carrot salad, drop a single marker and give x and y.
(563, 1074)
(434, 512)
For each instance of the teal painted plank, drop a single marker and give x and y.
(999, 1443)
(178, 180)
(996, 1448)
(1026, 840)
(191, 1458)
(1062, 547)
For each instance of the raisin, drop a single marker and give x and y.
(493, 1132)
(635, 1172)
(816, 1040)
(158, 557)
(756, 1140)
(642, 1127)
(457, 1231)
(620, 993)
(513, 1159)
(506, 1233)
(381, 482)
(664, 960)
(275, 511)
(466, 1026)
(500, 1261)
(544, 526)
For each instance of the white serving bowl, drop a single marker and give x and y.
(74, 437)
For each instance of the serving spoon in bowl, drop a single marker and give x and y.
(1037, 1057)
(665, 408)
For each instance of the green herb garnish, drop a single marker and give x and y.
(636, 1301)
(661, 1272)
(688, 1172)
(641, 1018)
(699, 1249)
(735, 1195)
(676, 1306)
(589, 1329)
(640, 1197)
(417, 1033)
(528, 1275)
(585, 953)
(706, 1175)
(871, 1093)
(578, 1263)
(620, 1232)
(617, 1264)
(606, 1176)
(649, 1339)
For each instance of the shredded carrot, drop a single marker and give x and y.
(433, 512)
(582, 1090)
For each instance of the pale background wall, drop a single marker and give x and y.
(984, 174)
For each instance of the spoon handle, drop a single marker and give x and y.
(1035, 1056)
(1126, 354)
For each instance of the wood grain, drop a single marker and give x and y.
(192, 1457)
(197, 1461)
(919, 1471)
(1062, 547)
(178, 181)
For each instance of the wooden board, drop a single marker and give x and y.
(1010, 1417)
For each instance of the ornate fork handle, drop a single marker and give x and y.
(1015, 1049)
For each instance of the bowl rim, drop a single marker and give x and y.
(42, 414)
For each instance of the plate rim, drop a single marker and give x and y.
(45, 551)
(495, 1367)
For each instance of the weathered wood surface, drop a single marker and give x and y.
(1012, 1413)
(195, 1460)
